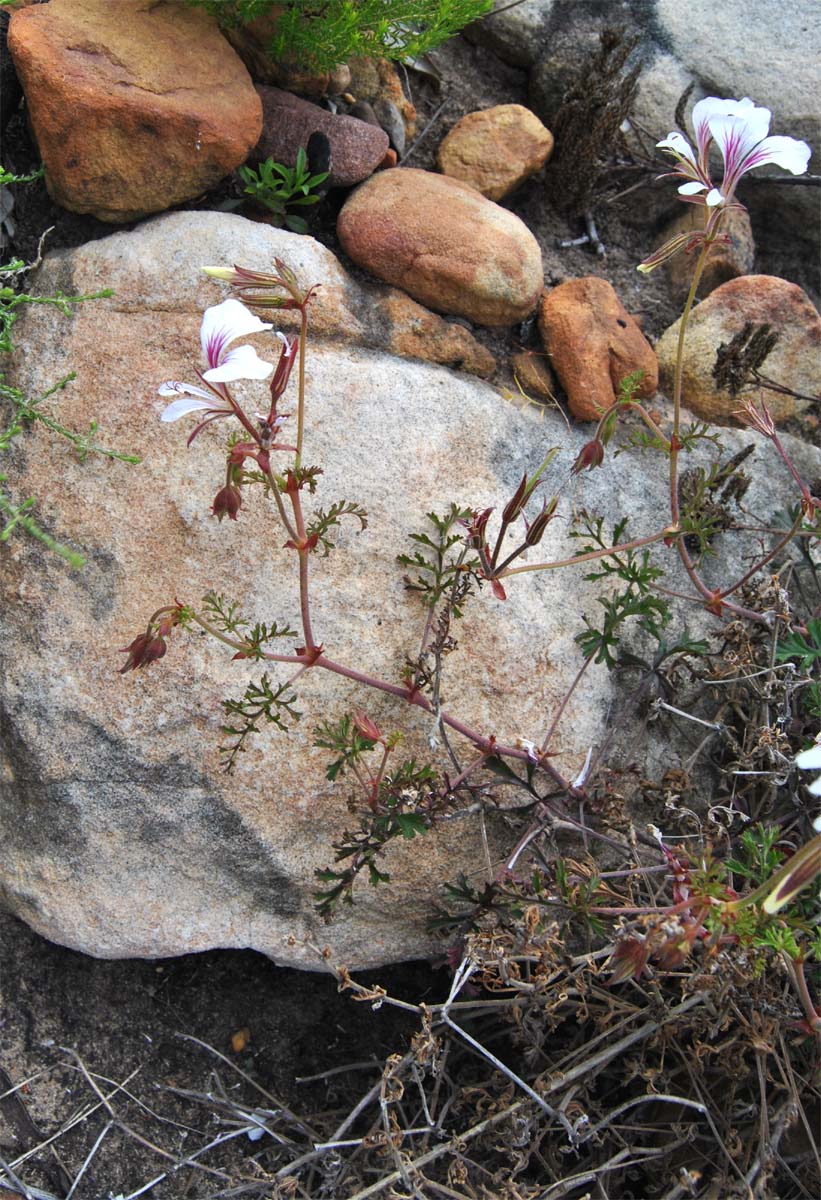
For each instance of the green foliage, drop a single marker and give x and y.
(689, 437)
(320, 35)
(399, 805)
(326, 519)
(279, 188)
(346, 742)
(435, 563)
(259, 702)
(224, 615)
(795, 646)
(707, 497)
(25, 411)
(7, 177)
(637, 599)
(759, 857)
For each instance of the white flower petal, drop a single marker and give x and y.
(713, 198)
(173, 388)
(184, 405)
(676, 143)
(785, 152)
(809, 760)
(815, 787)
(692, 188)
(241, 363)
(223, 324)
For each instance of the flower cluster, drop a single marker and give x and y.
(740, 130)
(223, 324)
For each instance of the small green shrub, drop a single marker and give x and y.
(320, 35)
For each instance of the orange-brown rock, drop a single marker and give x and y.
(444, 244)
(725, 260)
(496, 150)
(593, 343)
(135, 106)
(795, 362)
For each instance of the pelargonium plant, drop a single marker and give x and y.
(461, 551)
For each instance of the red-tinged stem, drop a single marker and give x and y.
(485, 744)
(587, 556)
(453, 784)
(558, 714)
(303, 334)
(304, 553)
(224, 638)
(763, 562)
(274, 489)
(796, 972)
(776, 441)
(678, 379)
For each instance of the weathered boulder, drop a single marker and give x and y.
(444, 244)
(356, 147)
(135, 106)
(592, 342)
(121, 834)
(495, 150)
(795, 362)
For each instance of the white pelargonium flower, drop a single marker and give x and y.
(222, 324)
(740, 131)
(810, 760)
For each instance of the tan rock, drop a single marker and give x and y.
(724, 261)
(135, 106)
(377, 80)
(444, 244)
(533, 374)
(496, 150)
(795, 362)
(593, 343)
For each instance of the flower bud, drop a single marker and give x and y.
(145, 649)
(591, 455)
(516, 503)
(227, 502)
(540, 523)
(365, 726)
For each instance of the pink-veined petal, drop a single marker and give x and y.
(173, 388)
(224, 323)
(183, 406)
(243, 362)
(786, 152)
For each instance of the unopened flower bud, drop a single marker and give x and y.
(227, 502)
(591, 455)
(540, 523)
(516, 503)
(365, 726)
(145, 649)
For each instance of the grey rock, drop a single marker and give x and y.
(518, 34)
(121, 835)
